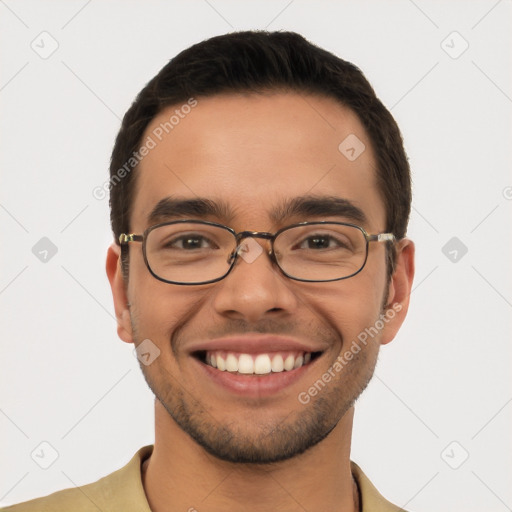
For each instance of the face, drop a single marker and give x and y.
(252, 156)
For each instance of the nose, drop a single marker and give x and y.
(255, 288)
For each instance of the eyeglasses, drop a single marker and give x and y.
(193, 252)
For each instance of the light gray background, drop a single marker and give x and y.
(67, 379)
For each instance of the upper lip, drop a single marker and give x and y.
(254, 344)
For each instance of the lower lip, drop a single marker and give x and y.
(254, 385)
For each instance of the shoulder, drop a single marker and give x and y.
(122, 488)
(76, 499)
(371, 499)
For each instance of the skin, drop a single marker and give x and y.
(253, 151)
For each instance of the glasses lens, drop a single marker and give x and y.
(321, 252)
(189, 252)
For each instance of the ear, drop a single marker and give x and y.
(399, 290)
(119, 293)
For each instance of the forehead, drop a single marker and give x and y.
(251, 152)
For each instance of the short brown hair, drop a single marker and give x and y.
(257, 61)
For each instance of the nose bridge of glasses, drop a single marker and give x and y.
(253, 234)
(240, 246)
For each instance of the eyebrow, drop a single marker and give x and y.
(318, 206)
(170, 208)
(307, 206)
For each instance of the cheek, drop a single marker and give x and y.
(158, 308)
(350, 307)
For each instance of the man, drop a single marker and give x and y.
(260, 195)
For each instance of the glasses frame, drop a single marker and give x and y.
(125, 239)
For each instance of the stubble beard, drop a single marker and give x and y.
(270, 441)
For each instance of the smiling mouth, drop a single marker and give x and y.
(255, 364)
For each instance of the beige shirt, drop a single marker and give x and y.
(122, 491)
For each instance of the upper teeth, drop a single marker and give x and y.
(258, 364)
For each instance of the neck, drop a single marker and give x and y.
(181, 476)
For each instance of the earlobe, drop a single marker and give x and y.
(399, 290)
(119, 293)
